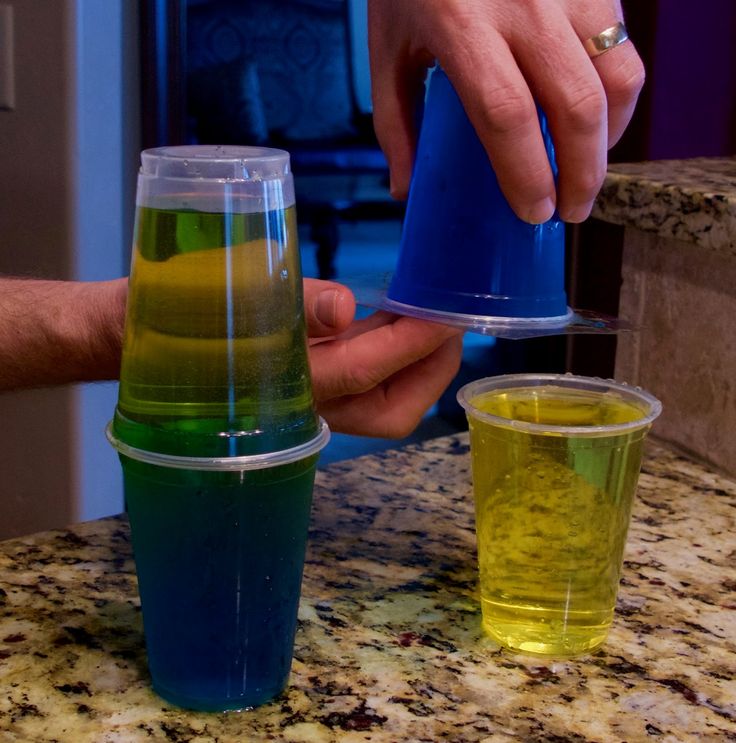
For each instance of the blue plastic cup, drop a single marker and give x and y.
(463, 250)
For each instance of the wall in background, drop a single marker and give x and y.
(38, 435)
(688, 105)
(693, 80)
(69, 151)
(106, 157)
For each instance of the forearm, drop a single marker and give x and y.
(54, 332)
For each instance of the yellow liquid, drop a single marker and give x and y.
(215, 340)
(552, 514)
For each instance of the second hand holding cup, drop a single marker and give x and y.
(215, 423)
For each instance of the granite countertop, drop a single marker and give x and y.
(691, 200)
(389, 646)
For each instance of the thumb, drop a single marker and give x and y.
(329, 307)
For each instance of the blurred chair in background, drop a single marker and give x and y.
(295, 75)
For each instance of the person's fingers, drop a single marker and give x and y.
(501, 56)
(397, 83)
(623, 78)
(371, 322)
(564, 82)
(328, 307)
(620, 69)
(545, 45)
(355, 363)
(394, 408)
(393, 120)
(621, 75)
(500, 106)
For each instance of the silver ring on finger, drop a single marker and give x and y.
(606, 40)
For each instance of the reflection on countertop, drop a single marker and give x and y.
(389, 646)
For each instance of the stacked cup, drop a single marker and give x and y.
(215, 423)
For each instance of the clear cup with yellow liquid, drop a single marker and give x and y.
(555, 462)
(215, 355)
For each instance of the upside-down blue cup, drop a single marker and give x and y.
(463, 250)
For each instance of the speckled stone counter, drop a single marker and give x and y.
(690, 200)
(389, 646)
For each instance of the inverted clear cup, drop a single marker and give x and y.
(215, 354)
(555, 462)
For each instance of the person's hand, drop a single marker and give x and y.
(377, 376)
(501, 55)
(373, 377)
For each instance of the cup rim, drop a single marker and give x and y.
(471, 390)
(468, 320)
(228, 163)
(225, 464)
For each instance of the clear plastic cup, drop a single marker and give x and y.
(219, 549)
(555, 462)
(215, 423)
(215, 352)
(463, 250)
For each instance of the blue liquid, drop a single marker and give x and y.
(219, 557)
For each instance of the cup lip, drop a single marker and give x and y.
(225, 464)
(468, 320)
(471, 390)
(234, 163)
